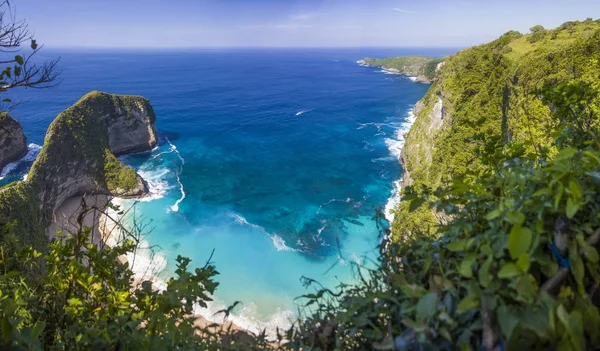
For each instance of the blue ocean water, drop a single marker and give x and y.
(273, 158)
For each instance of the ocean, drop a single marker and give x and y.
(274, 159)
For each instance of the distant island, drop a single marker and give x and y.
(421, 69)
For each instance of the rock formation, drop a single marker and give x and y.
(78, 157)
(13, 144)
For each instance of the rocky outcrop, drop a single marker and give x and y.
(419, 69)
(13, 144)
(418, 149)
(78, 157)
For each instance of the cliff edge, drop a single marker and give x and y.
(79, 157)
(13, 144)
(484, 98)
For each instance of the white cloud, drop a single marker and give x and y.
(276, 26)
(303, 16)
(397, 9)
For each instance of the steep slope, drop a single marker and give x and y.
(79, 157)
(488, 96)
(13, 144)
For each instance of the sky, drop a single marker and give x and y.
(289, 23)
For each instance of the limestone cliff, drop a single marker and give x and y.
(78, 157)
(13, 144)
(487, 97)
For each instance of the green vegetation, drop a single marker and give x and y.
(418, 66)
(488, 94)
(495, 245)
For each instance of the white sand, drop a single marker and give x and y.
(106, 232)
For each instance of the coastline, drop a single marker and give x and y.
(395, 71)
(106, 232)
(396, 147)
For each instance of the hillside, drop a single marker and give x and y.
(422, 68)
(483, 98)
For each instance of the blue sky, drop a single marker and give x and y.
(202, 23)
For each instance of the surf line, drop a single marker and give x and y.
(175, 207)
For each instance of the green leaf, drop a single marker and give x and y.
(19, 59)
(38, 328)
(465, 268)
(524, 262)
(468, 303)
(74, 302)
(509, 270)
(7, 329)
(572, 207)
(507, 321)
(515, 217)
(484, 273)
(575, 189)
(566, 154)
(590, 253)
(493, 215)
(519, 241)
(456, 245)
(576, 329)
(543, 192)
(426, 307)
(562, 315)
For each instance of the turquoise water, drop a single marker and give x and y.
(274, 159)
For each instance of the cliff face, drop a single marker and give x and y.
(79, 157)
(486, 97)
(13, 144)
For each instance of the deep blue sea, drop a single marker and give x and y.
(274, 158)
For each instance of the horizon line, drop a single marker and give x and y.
(48, 47)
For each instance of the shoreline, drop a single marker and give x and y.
(106, 232)
(395, 71)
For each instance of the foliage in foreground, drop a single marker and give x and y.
(488, 278)
(85, 302)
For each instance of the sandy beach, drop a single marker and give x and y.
(68, 217)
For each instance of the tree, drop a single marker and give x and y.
(537, 28)
(20, 68)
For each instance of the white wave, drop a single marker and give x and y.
(393, 201)
(32, 151)
(278, 241)
(172, 149)
(245, 317)
(157, 185)
(175, 206)
(299, 113)
(330, 202)
(414, 79)
(280, 245)
(395, 146)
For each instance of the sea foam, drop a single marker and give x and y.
(32, 151)
(175, 207)
(395, 147)
(278, 241)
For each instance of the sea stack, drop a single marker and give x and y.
(79, 157)
(13, 143)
